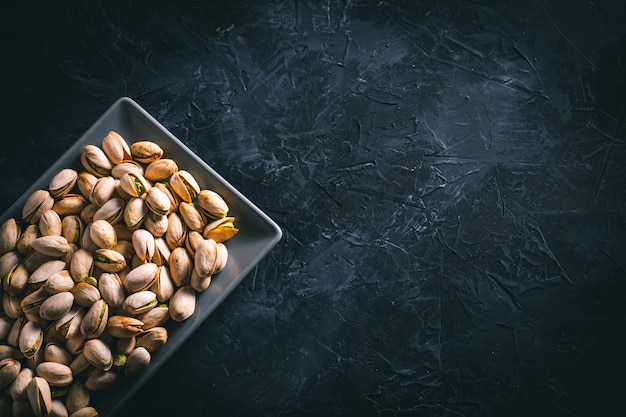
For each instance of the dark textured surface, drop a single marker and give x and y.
(449, 177)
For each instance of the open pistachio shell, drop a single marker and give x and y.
(125, 167)
(72, 228)
(156, 224)
(31, 339)
(102, 191)
(25, 242)
(220, 230)
(163, 285)
(158, 316)
(143, 244)
(85, 183)
(111, 289)
(11, 305)
(37, 203)
(39, 396)
(192, 241)
(98, 354)
(135, 213)
(95, 320)
(9, 369)
(10, 232)
(152, 339)
(57, 374)
(86, 293)
(134, 184)
(109, 260)
(95, 161)
(112, 211)
(81, 264)
(146, 151)
(171, 195)
(161, 169)
(124, 326)
(54, 352)
(212, 204)
(193, 218)
(157, 201)
(62, 182)
(17, 389)
(176, 231)
(98, 380)
(59, 282)
(115, 148)
(54, 246)
(70, 204)
(50, 224)
(31, 303)
(206, 257)
(103, 234)
(184, 185)
(139, 302)
(16, 280)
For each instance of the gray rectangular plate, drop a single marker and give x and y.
(258, 234)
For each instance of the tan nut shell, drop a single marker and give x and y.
(95, 320)
(212, 204)
(124, 326)
(62, 182)
(103, 234)
(184, 185)
(115, 148)
(140, 278)
(37, 203)
(56, 306)
(137, 361)
(161, 169)
(95, 161)
(98, 354)
(146, 151)
(10, 232)
(39, 396)
(57, 374)
(182, 304)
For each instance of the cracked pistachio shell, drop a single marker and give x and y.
(77, 397)
(152, 339)
(162, 252)
(103, 234)
(158, 316)
(124, 326)
(180, 264)
(109, 260)
(39, 396)
(135, 213)
(161, 169)
(212, 204)
(163, 285)
(11, 305)
(125, 346)
(97, 380)
(145, 151)
(127, 167)
(95, 161)
(112, 211)
(8, 261)
(37, 203)
(193, 218)
(86, 293)
(139, 302)
(53, 246)
(54, 352)
(34, 260)
(62, 182)
(134, 184)
(72, 228)
(140, 278)
(57, 374)
(17, 389)
(10, 232)
(205, 258)
(16, 280)
(158, 202)
(56, 306)
(31, 339)
(13, 338)
(69, 325)
(220, 230)
(192, 241)
(111, 289)
(85, 183)
(156, 224)
(171, 195)
(143, 244)
(81, 264)
(182, 304)
(115, 148)
(98, 354)
(50, 224)
(9, 369)
(70, 204)
(102, 191)
(58, 282)
(176, 231)
(184, 185)
(87, 213)
(25, 242)
(95, 320)
(44, 271)
(137, 362)
(32, 302)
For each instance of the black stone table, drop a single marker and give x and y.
(448, 175)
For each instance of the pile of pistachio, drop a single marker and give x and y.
(96, 266)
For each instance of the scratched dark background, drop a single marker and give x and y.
(448, 175)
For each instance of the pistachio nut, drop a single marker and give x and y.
(163, 285)
(152, 339)
(102, 191)
(139, 302)
(156, 224)
(199, 283)
(176, 231)
(115, 148)
(103, 234)
(205, 258)
(57, 374)
(98, 380)
(162, 252)
(58, 409)
(222, 257)
(125, 346)
(16, 280)
(213, 204)
(17, 389)
(184, 185)
(54, 352)
(32, 302)
(77, 396)
(58, 282)
(56, 306)
(72, 228)
(112, 211)
(145, 151)
(180, 264)
(192, 241)
(87, 411)
(124, 326)
(135, 213)
(182, 304)
(39, 396)
(69, 325)
(95, 320)
(220, 230)
(125, 248)
(158, 316)
(171, 195)
(81, 264)
(137, 362)
(9, 369)
(62, 182)
(52, 335)
(13, 338)
(44, 271)
(111, 289)
(53, 246)
(88, 212)
(50, 224)
(85, 182)
(8, 261)
(98, 354)
(5, 327)
(143, 244)
(157, 201)
(10, 232)
(31, 338)
(11, 305)
(140, 278)
(125, 167)
(193, 218)
(161, 169)
(80, 364)
(25, 242)
(37, 203)
(134, 185)
(86, 292)
(119, 361)
(95, 161)
(109, 260)
(70, 204)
